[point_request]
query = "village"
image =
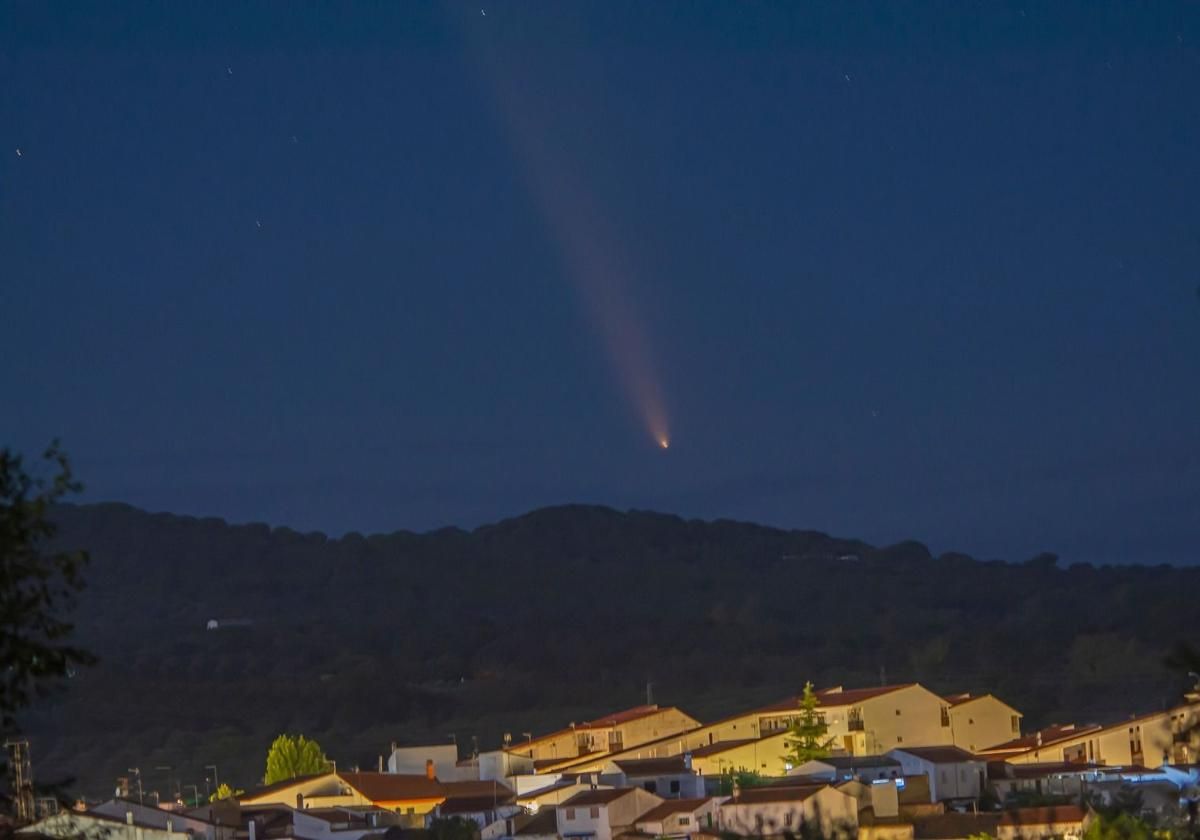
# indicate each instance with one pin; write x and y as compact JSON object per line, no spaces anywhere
{"x":894,"y":762}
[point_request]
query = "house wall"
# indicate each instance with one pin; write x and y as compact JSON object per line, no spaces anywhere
{"x":763,"y":756}
{"x":1112,"y":745}
{"x":550,"y":798}
{"x":69,"y":824}
{"x":958,"y":780}
{"x":983,"y":722}
{"x":828,"y":808}
{"x":706,"y":817}
{"x":412,"y":760}
{"x":1067,"y":831}
{"x":498,"y":765}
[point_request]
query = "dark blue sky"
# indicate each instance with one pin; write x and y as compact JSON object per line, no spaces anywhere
{"x":899,"y":270}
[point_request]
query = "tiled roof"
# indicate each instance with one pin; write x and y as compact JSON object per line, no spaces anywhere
{"x":469,"y":805}
{"x":545,"y":821}
{"x":617,"y":718}
{"x":596,"y":797}
{"x":265,"y":790}
{"x":836,"y":696}
{"x":394,"y":787}
{"x":1049,"y":815}
{"x":854,"y":762}
{"x":756,"y":795}
{"x":1050,"y":735}
{"x":720,"y":747}
{"x":652,"y":766}
{"x":939,"y":755}
{"x":951,"y":826}
{"x":476,"y":788}
{"x":672,"y":806}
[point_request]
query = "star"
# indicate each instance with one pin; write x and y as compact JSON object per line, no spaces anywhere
{"x":18,"y":152}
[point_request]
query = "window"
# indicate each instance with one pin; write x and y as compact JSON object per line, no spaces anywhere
{"x":675,"y":786}
{"x":970,"y":721}
{"x":897,"y":713}
{"x":651,"y":787}
{"x":1016,"y":724}
{"x":899,"y":740}
{"x":594,"y":813}
{"x":570,"y":813}
{"x":945,"y":715}
{"x":685,"y":820}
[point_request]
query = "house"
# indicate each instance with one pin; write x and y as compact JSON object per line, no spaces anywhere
{"x":981,"y":720}
{"x":410,"y":795}
{"x":444,"y":757}
{"x":556,"y":794}
{"x":542,"y":825}
{"x":842,"y":767}
{"x":776,"y":810}
{"x":73,"y":824}
{"x":1146,"y":741}
{"x":680,"y":817}
{"x":483,"y":803}
{"x":603,"y":814}
{"x":1055,"y":821}
{"x":953,"y":773}
{"x":955,"y":826}
{"x":603,"y":736}
{"x":149,"y":816}
{"x":1042,"y":779}
{"x":869,"y":721}
{"x":880,"y":797}
{"x":671,"y":777}
{"x":766,"y":756}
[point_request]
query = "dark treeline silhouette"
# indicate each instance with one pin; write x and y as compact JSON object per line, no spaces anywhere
{"x":555,"y":616}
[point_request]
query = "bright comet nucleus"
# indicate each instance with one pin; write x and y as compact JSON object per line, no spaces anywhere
{"x":664,"y":443}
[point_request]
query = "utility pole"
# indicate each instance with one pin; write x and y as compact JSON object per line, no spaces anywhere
{"x":137,"y":771}
{"x":21,"y":773}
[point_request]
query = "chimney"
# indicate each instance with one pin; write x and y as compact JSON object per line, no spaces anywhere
{"x":129,"y":818}
{"x":253,"y":830}
{"x":170,"y":826}
{"x":1039,"y":738}
{"x":381,"y":763}
{"x":299,"y":801}
{"x":687,"y":761}
{"x":429,"y":774}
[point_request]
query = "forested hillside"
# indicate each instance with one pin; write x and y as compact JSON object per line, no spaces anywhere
{"x":554,"y":616}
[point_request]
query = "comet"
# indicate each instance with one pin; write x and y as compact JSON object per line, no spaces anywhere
{"x":600,"y":270}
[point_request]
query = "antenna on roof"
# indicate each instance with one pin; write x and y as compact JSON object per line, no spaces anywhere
{"x":882,"y":675}
{"x":649,"y":693}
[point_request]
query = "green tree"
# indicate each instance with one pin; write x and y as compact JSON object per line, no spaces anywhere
{"x":807,"y":738}
{"x":224,"y":791}
{"x":294,"y":755}
{"x":1121,"y":827}
{"x":37,"y":586}
{"x":453,"y":828}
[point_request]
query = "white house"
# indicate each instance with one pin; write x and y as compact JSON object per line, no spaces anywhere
{"x":775,"y":810}
{"x":953,"y":773}
{"x":603,"y":814}
{"x":681,"y":817}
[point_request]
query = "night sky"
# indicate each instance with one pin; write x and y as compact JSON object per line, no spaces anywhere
{"x":884,"y":270}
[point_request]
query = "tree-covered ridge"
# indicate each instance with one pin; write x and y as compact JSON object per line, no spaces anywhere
{"x":561,"y":614}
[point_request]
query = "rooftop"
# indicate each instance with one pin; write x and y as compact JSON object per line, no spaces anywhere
{"x":652,"y":766}
{"x":596,"y":797}
{"x":773,"y":793}
{"x":1049,"y":815}
{"x":939,"y":755}
{"x":672,"y":806}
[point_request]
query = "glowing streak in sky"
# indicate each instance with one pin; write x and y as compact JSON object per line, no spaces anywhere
{"x":590,"y":251}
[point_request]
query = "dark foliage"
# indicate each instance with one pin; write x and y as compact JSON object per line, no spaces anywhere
{"x":558,"y":615}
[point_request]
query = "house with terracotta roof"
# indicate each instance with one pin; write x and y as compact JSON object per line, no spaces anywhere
{"x":840,"y":768}
{"x":601,"y":737}
{"x":776,"y":810}
{"x":603,"y":814}
{"x":981,"y":720}
{"x":1055,"y":821}
{"x":410,"y":795}
{"x":680,"y":817}
{"x":1148,"y":740}
{"x":954,"y":774}
{"x":541,"y":825}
